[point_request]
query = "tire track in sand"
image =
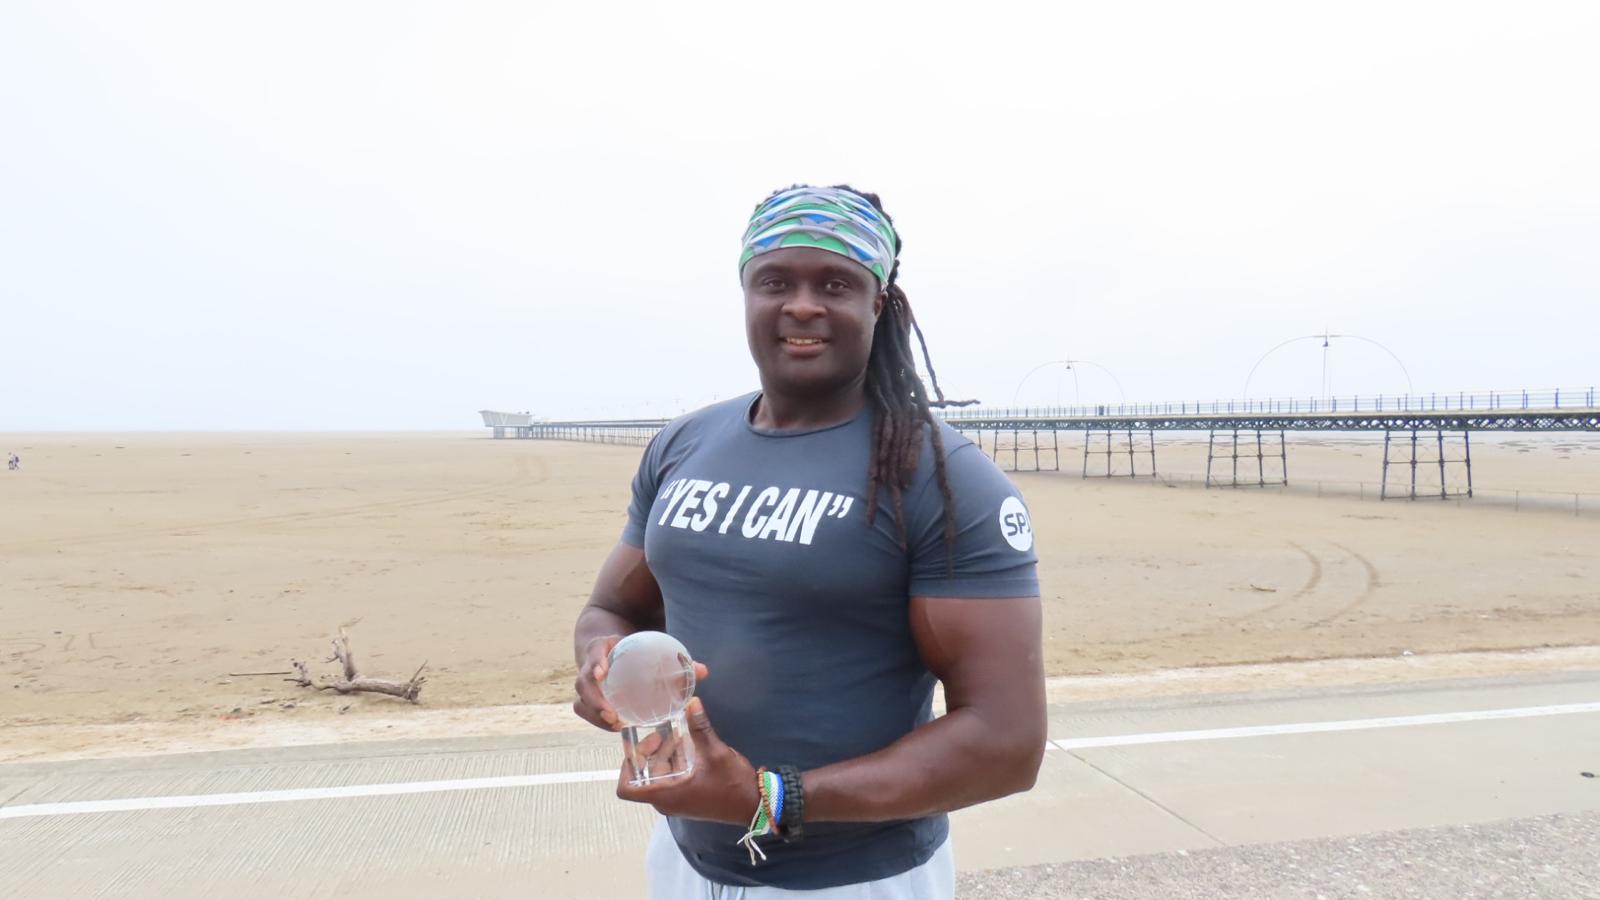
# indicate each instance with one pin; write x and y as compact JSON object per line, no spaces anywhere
{"x":1374,"y":581}
{"x":1313,"y":579}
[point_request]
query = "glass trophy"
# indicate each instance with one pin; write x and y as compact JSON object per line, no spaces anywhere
{"x":649,"y":679}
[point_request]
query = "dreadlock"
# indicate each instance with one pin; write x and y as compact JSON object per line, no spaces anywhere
{"x":901,"y":407}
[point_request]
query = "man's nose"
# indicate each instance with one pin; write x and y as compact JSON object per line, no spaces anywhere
{"x":804,"y":305}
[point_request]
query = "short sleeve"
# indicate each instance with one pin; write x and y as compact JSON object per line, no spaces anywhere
{"x":646,"y":484}
{"x":992,"y":554}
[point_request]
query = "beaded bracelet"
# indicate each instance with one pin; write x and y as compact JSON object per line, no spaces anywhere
{"x":768,"y":813}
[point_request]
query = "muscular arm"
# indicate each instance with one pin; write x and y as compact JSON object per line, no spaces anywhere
{"x":990,"y":743}
{"x":625,"y":599}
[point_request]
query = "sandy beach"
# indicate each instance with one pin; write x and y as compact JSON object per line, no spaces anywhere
{"x":142,"y":575}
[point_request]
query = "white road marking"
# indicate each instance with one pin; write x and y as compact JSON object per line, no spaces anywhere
{"x":193,"y":801}
{"x":1217,"y":734}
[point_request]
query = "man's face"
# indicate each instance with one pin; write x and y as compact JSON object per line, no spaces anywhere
{"x":809,"y":315}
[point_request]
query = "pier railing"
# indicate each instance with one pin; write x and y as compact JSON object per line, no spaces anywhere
{"x":1521,"y":398}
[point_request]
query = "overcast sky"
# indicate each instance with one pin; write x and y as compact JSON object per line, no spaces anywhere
{"x":387,"y":215}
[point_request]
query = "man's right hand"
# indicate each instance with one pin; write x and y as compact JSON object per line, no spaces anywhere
{"x":591,"y":705}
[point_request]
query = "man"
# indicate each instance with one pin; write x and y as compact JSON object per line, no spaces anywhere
{"x":826,"y":549}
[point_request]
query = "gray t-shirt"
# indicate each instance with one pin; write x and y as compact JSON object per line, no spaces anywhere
{"x":771,"y":577}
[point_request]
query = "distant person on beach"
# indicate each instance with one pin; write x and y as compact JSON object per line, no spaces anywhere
{"x":828,"y":549}
{"x":13,"y":462}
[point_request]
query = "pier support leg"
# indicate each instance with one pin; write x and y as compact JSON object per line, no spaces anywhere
{"x":1413,"y":464}
{"x":1442,"y":493}
{"x":1261,"y":462}
{"x":1232,"y":454}
{"x":1283,"y":453}
{"x":1236,"y":457}
{"x":1419,"y":467}
{"x":1383,"y":486}
{"x":1211,"y":453}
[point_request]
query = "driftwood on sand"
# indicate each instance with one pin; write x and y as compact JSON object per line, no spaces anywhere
{"x":352,"y":681}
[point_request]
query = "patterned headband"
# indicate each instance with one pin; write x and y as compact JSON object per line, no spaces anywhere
{"x":832,"y":219}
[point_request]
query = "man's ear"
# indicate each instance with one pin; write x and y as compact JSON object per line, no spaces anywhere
{"x":877,"y":303}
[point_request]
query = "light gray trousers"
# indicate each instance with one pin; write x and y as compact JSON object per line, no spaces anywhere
{"x":671,"y":878}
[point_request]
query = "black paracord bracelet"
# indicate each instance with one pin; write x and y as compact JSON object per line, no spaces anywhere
{"x":791,"y":823}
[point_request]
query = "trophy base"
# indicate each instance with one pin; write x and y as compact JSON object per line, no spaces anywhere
{"x":658,"y":751}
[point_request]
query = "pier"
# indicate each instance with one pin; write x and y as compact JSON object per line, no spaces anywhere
{"x":1421,"y":433}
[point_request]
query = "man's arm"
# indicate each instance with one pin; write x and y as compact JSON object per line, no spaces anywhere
{"x":989,"y":656}
{"x":989,"y":744}
{"x":625,"y":599}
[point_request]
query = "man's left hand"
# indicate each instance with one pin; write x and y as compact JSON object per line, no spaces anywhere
{"x":722,"y":787}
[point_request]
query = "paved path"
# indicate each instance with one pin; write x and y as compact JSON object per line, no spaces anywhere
{"x":1213,"y":777}
{"x":1549,"y":857}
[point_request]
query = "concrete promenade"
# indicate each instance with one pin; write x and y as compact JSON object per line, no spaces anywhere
{"x":1266,"y":794}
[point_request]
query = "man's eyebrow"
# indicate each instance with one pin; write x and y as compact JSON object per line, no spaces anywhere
{"x":770,"y":267}
{"x":844,"y":272}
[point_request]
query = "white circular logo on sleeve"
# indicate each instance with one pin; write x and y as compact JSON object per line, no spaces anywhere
{"x":1014,"y":525}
